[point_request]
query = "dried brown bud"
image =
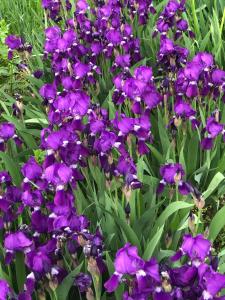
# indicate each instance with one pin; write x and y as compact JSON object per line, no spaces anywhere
{"x":93,"y":267}
{"x":168,"y":240}
{"x":199,"y":202}
{"x":110,"y":159}
{"x":171,"y":193}
{"x":41,"y":295}
{"x":177,"y":177}
{"x":217,"y":115}
{"x":129,"y":140}
{"x":172,"y":61}
{"x":191,"y":222}
{"x":94,"y":160}
{"x":81,"y":241}
{"x":20,"y":106}
{"x":90,"y":294}
{"x":108,"y":184}
{"x":166,"y":286}
{"x":206,"y":232}
{"x":127,"y":192}
{"x":70,"y":68}
{"x":53,"y":284}
{"x":177,"y":121}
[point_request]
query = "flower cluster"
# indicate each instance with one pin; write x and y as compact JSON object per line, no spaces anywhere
{"x":171,"y":18}
{"x":16,"y":43}
{"x":51,"y":209}
{"x":196,"y":278}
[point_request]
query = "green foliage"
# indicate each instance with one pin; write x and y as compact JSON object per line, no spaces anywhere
{"x":152,"y":217}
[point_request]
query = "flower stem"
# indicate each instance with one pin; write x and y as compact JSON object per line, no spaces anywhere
{"x":198,"y":222}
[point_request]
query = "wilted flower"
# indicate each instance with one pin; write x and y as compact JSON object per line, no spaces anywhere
{"x":83,"y":282}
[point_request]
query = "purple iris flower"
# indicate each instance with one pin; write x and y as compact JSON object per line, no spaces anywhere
{"x":207,"y":143}
{"x":196,"y":248}
{"x":48,"y":92}
{"x":7,"y":131}
{"x":144,"y":74}
{"x":81,"y":70}
{"x":39,"y":222}
{"x":183,"y":109}
{"x":17,"y":241}
{"x":218,"y":77}
{"x":127,"y":262}
{"x":5,"y":177}
{"x":58,"y":174}
{"x":80,"y":102}
{"x":172,"y":174}
{"x":213,"y":128}
{"x":52,"y":33}
{"x":144,"y":276}
{"x":5,"y":289}
{"x":183,"y":276}
{"x":123,"y":61}
{"x":105,"y":142}
{"x":13,"y":42}
{"x":38,"y":261}
{"x":32,"y":198}
{"x":171,"y":57}
{"x":205,"y":59}
{"x":31,"y":170}
{"x":170,"y":19}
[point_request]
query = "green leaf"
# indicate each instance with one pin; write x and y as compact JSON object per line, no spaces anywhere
{"x":165,"y":142}
{"x":192,"y":154}
{"x":171,"y":209}
{"x":150,"y":247}
{"x":12,"y":167}
{"x":156,"y":153}
{"x":5,"y":276}
{"x":205,"y":41}
{"x":217,"y":224}
{"x":129,"y":233}
{"x":217,"y":179}
{"x":164,"y":254}
{"x":64,"y":288}
{"x":20,"y":270}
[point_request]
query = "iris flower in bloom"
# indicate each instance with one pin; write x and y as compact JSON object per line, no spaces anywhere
{"x":172,"y":174}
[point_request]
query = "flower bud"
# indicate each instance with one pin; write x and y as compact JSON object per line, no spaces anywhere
{"x":199,"y":202}
{"x":206,"y":232}
{"x":191,"y":222}
{"x":127,"y":192}
{"x":41,"y":295}
{"x":166,"y":286}
{"x":168,"y":239}
{"x":90,"y":294}
{"x":177,"y":121}
{"x":53,"y":283}
{"x":127,"y":209}
{"x":177,"y":177}
{"x":93,"y":267}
